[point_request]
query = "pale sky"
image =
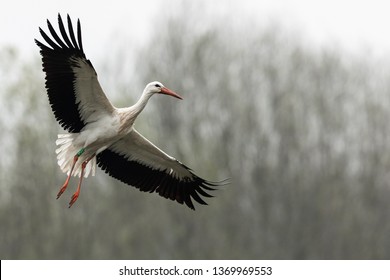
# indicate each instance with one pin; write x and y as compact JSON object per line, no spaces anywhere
{"x":352,"y":25}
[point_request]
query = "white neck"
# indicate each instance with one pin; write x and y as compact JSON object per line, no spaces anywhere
{"x":141,"y":103}
{"x":129,"y":114}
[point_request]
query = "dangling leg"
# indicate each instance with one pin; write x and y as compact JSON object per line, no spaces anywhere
{"x":63,"y":188}
{"x":77,"y":193}
{"x":68,"y":178}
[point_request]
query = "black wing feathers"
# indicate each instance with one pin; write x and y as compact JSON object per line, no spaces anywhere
{"x":150,"y":180}
{"x":55,"y":36}
{"x":79,"y":36}
{"x":71,"y":33}
{"x":57,"y":60}
{"x":63,"y":32}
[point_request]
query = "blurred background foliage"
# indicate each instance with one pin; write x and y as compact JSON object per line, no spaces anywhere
{"x":303,"y":134}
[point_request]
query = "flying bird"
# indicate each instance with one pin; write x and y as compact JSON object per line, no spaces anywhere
{"x":100,"y":134}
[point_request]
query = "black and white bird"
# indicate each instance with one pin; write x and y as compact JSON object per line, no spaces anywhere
{"x":103,"y":135}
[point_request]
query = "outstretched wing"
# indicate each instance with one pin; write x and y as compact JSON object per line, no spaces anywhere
{"x":75,"y":94}
{"x":136,"y":161}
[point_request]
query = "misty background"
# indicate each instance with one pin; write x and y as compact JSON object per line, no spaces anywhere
{"x":302,"y":131}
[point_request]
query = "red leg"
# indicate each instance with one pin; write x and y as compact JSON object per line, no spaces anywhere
{"x":63,"y":188}
{"x":77,"y":193}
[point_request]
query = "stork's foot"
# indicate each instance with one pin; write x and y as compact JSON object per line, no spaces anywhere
{"x":63,"y":188}
{"x":74,"y":198}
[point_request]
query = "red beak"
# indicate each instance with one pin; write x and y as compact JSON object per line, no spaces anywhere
{"x":167,"y":91}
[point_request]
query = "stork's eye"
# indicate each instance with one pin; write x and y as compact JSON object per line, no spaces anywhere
{"x":157,"y":85}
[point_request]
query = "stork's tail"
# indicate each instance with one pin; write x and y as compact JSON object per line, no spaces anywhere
{"x":65,"y":154}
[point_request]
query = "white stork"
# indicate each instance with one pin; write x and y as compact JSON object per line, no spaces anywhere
{"x":101,"y":134}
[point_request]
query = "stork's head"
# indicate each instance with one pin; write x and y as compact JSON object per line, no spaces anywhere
{"x":157,"y":87}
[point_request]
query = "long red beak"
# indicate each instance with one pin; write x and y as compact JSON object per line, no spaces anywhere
{"x":167,"y":91}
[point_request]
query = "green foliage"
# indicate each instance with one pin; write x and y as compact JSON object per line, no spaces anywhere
{"x":303,"y":134}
